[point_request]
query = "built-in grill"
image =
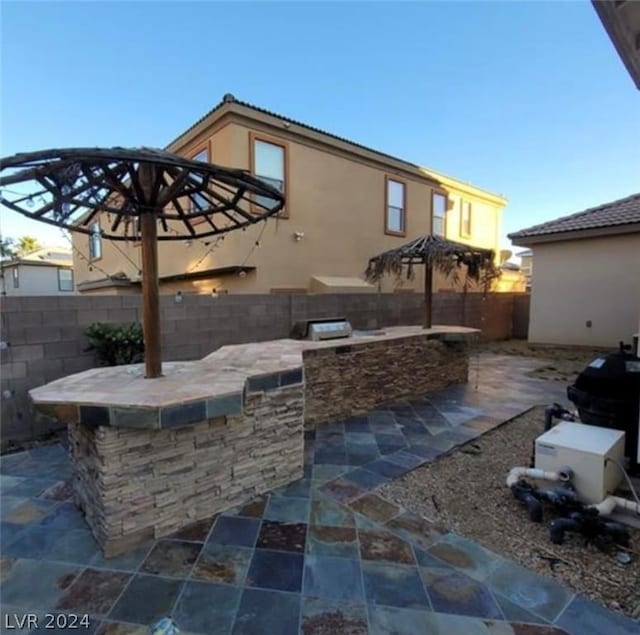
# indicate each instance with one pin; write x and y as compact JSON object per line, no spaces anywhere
{"x":322,"y":329}
{"x":607,"y":394}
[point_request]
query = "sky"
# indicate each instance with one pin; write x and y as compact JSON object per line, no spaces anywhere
{"x":526,"y":99}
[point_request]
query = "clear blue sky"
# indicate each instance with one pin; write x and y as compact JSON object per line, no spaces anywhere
{"x":528,"y":99}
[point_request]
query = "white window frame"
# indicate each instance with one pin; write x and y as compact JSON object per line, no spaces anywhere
{"x":402,"y":231}
{"x":443,"y":217}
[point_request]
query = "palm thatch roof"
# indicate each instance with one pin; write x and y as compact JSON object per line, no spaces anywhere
{"x":447,"y":256}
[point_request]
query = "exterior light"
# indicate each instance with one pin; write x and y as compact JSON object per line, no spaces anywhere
{"x":214,"y":293}
{"x":298,"y":236}
{"x":242,"y":273}
{"x":178,"y":297}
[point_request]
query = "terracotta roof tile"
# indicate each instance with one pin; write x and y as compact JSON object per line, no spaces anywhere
{"x":624,"y":211}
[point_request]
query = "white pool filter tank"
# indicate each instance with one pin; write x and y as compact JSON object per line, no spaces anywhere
{"x":585,"y":449}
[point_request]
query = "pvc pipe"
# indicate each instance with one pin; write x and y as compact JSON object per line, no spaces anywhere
{"x":606,"y":507}
{"x":564,"y":474}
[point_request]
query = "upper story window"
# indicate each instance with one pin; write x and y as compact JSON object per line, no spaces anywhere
{"x":16,"y":278}
{"x":202,"y":155}
{"x":438,"y":214}
{"x":270,"y":166}
{"x":395,"y":213}
{"x":65,"y":279}
{"x":95,"y":241}
{"x":465,"y":219}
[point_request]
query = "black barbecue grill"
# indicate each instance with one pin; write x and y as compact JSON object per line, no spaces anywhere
{"x":607,"y":394}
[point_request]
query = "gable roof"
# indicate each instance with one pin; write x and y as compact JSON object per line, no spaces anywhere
{"x":624,"y":211}
{"x":419,"y":170}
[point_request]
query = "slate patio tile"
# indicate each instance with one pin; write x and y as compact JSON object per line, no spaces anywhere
{"x":121,"y":628}
{"x":232,"y":530}
{"x":535,"y":593}
{"x":36,"y":585}
{"x":129,"y":561}
{"x":332,"y":541}
{"x":387,"y":469}
{"x":222,"y":563}
{"x":514,"y":613}
{"x":365,"y":479}
{"x":261,"y":612}
{"x":64,"y":516}
{"x":467,"y":556}
{"x":393,"y":585}
{"x":64,"y":623}
{"x":453,"y":592}
{"x":9,"y":532}
{"x":207,"y":608}
{"x":329,"y":577}
{"x":30,"y":487}
{"x":146,"y":599}
{"x":375,"y":507}
{"x":427,"y":452}
{"x":325,"y":456}
{"x":324,"y":473}
{"x":359,"y":438}
{"x":93,"y":592}
{"x":27,"y":510}
{"x":76,"y":546}
{"x":364,"y":522}
{"x":288,"y":510}
{"x":584,"y":617}
{"x":195,"y":532}
{"x":384,"y":546}
{"x":357,"y":423}
{"x":323,"y":616}
{"x":325,"y":511}
{"x":358,"y":457}
{"x":342,"y":490}
{"x":254,"y":508}
{"x":282,"y":536}
{"x":171,"y":558}
{"x":405,"y":459}
{"x":388,"y":620}
{"x":416,"y":529}
{"x":298,"y":489}
{"x":59,"y":491}
{"x":275,"y":570}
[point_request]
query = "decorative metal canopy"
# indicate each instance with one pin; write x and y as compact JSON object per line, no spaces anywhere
{"x":173,"y":198}
{"x":447,"y":256}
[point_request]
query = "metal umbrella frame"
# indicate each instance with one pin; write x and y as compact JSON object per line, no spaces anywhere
{"x":173,"y":198}
{"x":434,"y":252}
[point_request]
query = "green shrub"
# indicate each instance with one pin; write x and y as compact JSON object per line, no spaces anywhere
{"x":116,"y":344}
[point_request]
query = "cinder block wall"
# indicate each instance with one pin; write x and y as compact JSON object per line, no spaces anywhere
{"x":46,"y":333}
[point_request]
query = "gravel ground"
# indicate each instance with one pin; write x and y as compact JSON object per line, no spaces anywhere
{"x":466,"y":492}
{"x":562,"y":363}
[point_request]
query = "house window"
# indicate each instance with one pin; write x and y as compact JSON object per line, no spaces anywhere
{"x":16,"y":278}
{"x":438,"y":214}
{"x":396,"y":209}
{"x":465,"y":219}
{"x":269,"y":165}
{"x":201,"y":201}
{"x":95,"y":242}
{"x":65,"y":279}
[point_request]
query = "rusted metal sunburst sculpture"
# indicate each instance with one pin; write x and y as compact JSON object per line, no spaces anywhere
{"x":173,"y":199}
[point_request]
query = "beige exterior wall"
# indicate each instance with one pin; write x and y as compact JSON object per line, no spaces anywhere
{"x":335,"y":197}
{"x":596,"y":279}
{"x":33,"y":280}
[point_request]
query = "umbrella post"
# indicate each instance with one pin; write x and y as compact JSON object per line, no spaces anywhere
{"x":150,"y":284}
{"x":428,"y":295}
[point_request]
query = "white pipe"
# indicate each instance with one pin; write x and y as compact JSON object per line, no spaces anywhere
{"x":606,"y":507}
{"x":563,"y":474}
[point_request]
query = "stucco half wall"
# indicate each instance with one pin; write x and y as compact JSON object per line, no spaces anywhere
{"x":594,"y":280}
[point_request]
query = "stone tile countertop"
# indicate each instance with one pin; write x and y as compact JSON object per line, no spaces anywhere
{"x":219,"y":379}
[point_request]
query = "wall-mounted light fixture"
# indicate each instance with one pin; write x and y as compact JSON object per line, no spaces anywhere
{"x":214,"y":293}
{"x":242,"y":273}
{"x":178,"y":297}
{"x":298,"y":236}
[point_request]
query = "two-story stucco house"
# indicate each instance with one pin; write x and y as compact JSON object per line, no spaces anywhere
{"x":45,"y":271}
{"x":344,"y":204}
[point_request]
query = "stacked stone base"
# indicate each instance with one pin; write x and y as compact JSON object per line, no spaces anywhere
{"x":135,"y":485}
{"x":356,"y":378}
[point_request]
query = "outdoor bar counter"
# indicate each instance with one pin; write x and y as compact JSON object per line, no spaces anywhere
{"x":151,"y":456}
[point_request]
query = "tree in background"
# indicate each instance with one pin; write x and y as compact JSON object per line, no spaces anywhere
{"x":7,"y":248}
{"x":27,"y":244}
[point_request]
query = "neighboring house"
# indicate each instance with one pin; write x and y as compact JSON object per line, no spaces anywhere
{"x":586,"y":289}
{"x":526,"y":266}
{"x":344,"y":204}
{"x":46,"y":271}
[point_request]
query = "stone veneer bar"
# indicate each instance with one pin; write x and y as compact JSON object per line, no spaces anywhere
{"x":152,"y":456}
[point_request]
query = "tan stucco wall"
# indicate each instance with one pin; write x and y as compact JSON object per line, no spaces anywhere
{"x":336,"y":200}
{"x":595,"y":279}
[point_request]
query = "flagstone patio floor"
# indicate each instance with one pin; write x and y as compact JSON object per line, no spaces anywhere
{"x":323,"y":555}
